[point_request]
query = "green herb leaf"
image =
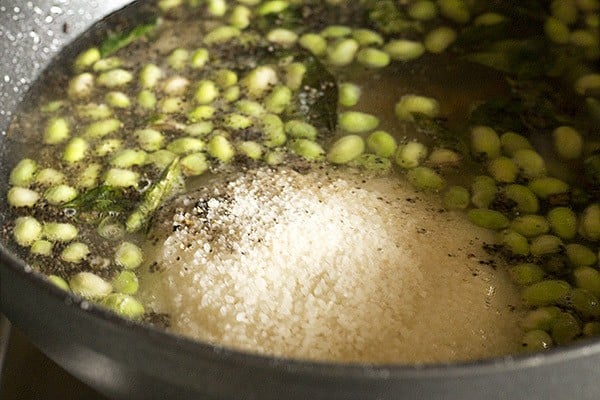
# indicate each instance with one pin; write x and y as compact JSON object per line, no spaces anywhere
{"x":317,"y":101}
{"x":169,"y":182}
{"x":387,"y":18}
{"x":117,"y":41}
{"x":102,"y":199}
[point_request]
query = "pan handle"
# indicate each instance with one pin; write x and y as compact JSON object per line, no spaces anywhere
{"x":4,"y":338}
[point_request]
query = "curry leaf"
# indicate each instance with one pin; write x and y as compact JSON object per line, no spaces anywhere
{"x":117,"y":41}
{"x":386,"y":17}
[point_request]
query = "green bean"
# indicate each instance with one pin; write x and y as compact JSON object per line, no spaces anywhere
{"x":455,"y":10}
{"x":99,"y":129}
{"x":60,"y":194}
{"x":536,"y":340}
{"x":585,"y":303}
{"x":88,"y":177}
{"x":565,"y":329}
{"x":121,"y":178}
{"x":588,"y":83}
{"x":75,"y":150}
{"x":250,"y":149}
{"x":57,"y":131}
{"x":503,"y":169}
{"x":314,"y":43}
{"x":530,"y":163}
{"x":299,"y":129}
{"x":52,"y":106}
{"x":259,"y":80}
{"x":89,"y":286}
{"x":294,"y":75}
{"x":382,"y":143}
{"x":275,"y":157}
{"x":206,"y":92}
{"x":128,"y":158}
{"x":126,"y":282}
{"x":146,"y":99}
{"x":342,"y":53}
{"x":423,"y":10}
{"x":75,"y":253}
{"x":527,"y":202}
{"x":93,"y":111}
{"x":128,"y":255}
{"x":489,"y":219}
{"x":279,"y":99}
{"x":546,"y":293}
{"x":59,"y":282}
{"x":114,"y":78}
{"x":161,"y":158}
{"x":166,"y":5}
{"x":346,"y":149}
{"x":23,"y":173}
{"x":580,"y":255}
{"x":489,"y":19}
{"x":373,"y":58}
{"x":424,"y":178}
{"x":530,"y":225}
{"x":512,"y":142}
{"x":240,"y":17}
{"x":563,"y":222}
{"x":175,"y":85}
{"x":273,"y":130}
{"x":545,"y":244}
{"x":357,"y":122}
{"x":307,"y":149}
{"x":111,"y":229}
{"x":547,"y":186}
{"x":250,"y":108}
{"x":236,"y":121}
{"x":413,"y":104}
{"x":231,"y":94}
{"x":149,"y":139}
{"x":49,"y":177}
{"x":566,"y":11}
{"x":201,"y":113}
{"x":123,"y":305}
{"x":283,"y":37}
{"x":216,"y":8}
{"x":404,"y":50}
{"x":107,"y":147}
{"x":568,"y":143}
{"x":81,"y":86}
{"x":483,"y":191}
{"x":556,"y":30}
{"x":349,"y":94}
{"x":221,"y":34}
{"x":87,"y":58}
{"x":106,"y":64}
{"x":439,"y":39}
{"x":585,"y":38}
{"x":540,"y":318}
{"x":591,"y":329}
{"x":587,"y":278}
{"x":372,"y":162}
{"x":589,"y":226}
{"x":27,"y":230}
{"x":194,"y":164}
{"x":526,"y":274}
{"x":225,"y":78}
{"x":367,"y":37}
{"x":456,"y":198}
{"x":336,"y":31}
{"x":485,"y":142}
{"x":272,"y":7}
{"x":199,"y":58}
{"x":441,"y":157}
{"x":186,"y":145}
{"x":149,"y":76}
{"x":221,"y":148}
{"x":514,"y":242}
{"x":410,"y":154}
{"x":60,"y":232}
{"x":178,"y":58}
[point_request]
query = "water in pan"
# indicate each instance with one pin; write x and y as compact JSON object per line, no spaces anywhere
{"x":253,"y":108}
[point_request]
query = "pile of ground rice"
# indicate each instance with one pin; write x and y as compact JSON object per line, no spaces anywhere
{"x":328,"y":266}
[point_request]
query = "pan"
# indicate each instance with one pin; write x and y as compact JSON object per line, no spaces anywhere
{"x":127,"y":360}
